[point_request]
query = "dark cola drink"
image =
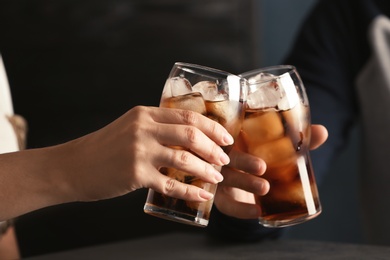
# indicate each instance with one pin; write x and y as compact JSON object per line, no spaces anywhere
{"x":277,"y":129}
{"x":273,"y":136}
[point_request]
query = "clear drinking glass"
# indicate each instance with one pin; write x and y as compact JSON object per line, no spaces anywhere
{"x":216,"y":94}
{"x":277,"y":129}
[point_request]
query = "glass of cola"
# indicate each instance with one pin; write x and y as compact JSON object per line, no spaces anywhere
{"x":216,"y":94}
{"x":277,"y":129}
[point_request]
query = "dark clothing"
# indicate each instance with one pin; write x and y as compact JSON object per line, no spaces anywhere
{"x":330,"y":52}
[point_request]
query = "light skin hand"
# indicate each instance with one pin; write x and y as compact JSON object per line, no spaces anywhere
{"x":124,"y":156}
{"x":141,"y":147}
{"x":235,"y":194}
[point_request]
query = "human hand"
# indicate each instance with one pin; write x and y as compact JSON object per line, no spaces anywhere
{"x":127,"y":154}
{"x":123,"y":156}
{"x":235,"y":195}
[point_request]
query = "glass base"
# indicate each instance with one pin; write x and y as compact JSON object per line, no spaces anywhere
{"x":175,"y":216}
{"x":272,"y":223}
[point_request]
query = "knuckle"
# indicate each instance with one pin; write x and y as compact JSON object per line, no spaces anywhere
{"x":184,"y":158}
{"x":189,"y":117}
{"x":180,"y":158}
{"x":191,"y":134}
{"x":170,"y":186}
{"x":138,"y":111}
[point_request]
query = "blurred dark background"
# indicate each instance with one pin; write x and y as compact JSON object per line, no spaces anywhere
{"x":74,"y":66}
{"x":79,"y":64}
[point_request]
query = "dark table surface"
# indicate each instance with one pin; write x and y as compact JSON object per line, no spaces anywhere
{"x":195,"y":246}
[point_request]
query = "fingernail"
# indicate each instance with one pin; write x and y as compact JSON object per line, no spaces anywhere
{"x":218,"y":176}
{"x":205,"y":195}
{"x":224,"y":158}
{"x":228,"y":139}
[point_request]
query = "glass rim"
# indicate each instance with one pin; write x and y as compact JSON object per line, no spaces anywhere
{"x":290,"y":69}
{"x":205,"y":69}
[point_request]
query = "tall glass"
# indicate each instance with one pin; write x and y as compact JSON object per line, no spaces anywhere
{"x":216,"y":94}
{"x":277,"y":129}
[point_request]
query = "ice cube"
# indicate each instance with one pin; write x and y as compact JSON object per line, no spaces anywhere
{"x":261,"y":77}
{"x":266,"y":90}
{"x":276,"y":153}
{"x":193,"y":102}
{"x":224,"y":111}
{"x":262,"y":127}
{"x":292,"y":192}
{"x":180,"y":86}
{"x":264,"y":95}
{"x":209,"y":90}
{"x":285,"y":173}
